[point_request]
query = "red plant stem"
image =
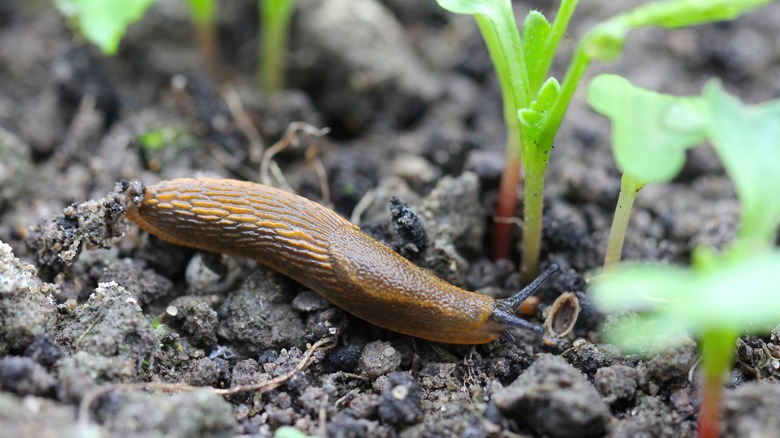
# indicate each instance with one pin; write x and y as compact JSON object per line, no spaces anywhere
{"x":506,"y":208}
{"x":709,"y":412}
{"x":717,"y":355}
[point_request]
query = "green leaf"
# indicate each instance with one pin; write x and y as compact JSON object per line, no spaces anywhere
{"x":747,"y":141}
{"x":289,"y":432}
{"x":536,"y":36}
{"x":203,"y":11}
{"x":650,"y":130}
{"x":605,"y":42}
{"x":634,"y":286}
{"x":680,"y":13}
{"x":493,"y":9}
{"x":645,"y":334}
{"x":103,"y":22}
{"x":739,"y":295}
{"x":534,"y":117}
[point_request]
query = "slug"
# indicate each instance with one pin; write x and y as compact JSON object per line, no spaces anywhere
{"x":326,"y":253}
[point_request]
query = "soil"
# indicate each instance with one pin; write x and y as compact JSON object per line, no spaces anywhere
{"x":105,"y":330}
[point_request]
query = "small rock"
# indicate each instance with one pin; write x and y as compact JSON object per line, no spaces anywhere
{"x":44,"y":350}
{"x":588,"y":357}
{"x":345,"y":358}
{"x":258,"y":315}
{"x":379,"y":358}
{"x":400,"y":400}
{"x":617,"y":383}
{"x":23,"y":376}
{"x":198,"y":319}
{"x":145,"y":284}
{"x":204,"y":373}
{"x":554,"y":399}
{"x":751,"y":410}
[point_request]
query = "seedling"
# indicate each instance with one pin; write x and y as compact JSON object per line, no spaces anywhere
{"x":650,"y":134}
{"x":275,"y":18}
{"x":534,"y":106}
{"x":204,"y":14}
{"x":722,"y":295}
{"x":104,"y":23}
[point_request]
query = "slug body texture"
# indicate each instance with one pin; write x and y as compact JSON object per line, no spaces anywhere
{"x":316,"y":247}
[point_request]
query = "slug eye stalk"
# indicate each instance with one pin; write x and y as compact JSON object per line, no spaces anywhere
{"x":513,"y":303}
{"x":504,"y":313}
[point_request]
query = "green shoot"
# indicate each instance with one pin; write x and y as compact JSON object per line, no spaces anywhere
{"x":497,"y":23}
{"x":275,"y":21}
{"x":681,"y":13}
{"x":534,"y":105}
{"x":650,"y":134}
{"x":722,"y":295}
{"x":521,"y":66}
{"x":204,"y":14}
{"x":101,"y":22}
{"x":716,"y":302}
{"x":629,"y":189}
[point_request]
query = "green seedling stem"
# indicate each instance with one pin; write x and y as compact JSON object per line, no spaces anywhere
{"x":535,"y":166}
{"x":204,"y":13}
{"x":702,"y":300}
{"x":521,"y":79}
{"x":717,"y":354}
{"x":629,"y":189}
{"x":275,"y":18}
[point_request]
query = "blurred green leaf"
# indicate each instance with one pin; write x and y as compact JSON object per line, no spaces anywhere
{"x":488,"y":8}
{"x":289,"y":432}
{"x":680,"y":13}
{"x":536,"y":36}
{"x":158,"y":138}
{"x":650,"y":131}
{"x":738,"y":295}
{"x":748,"y":143}
{"x":103,"y":22}
{"x":605,"y":42}
{"x":646,"y":334}
{"x":203,"y":11}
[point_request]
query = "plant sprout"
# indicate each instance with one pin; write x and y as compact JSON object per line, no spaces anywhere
{"x":275,"y":19}
{"x":534,"y":106}
{"x":104,"y":23}
{"x":204,"y":14}
{"x":650,"y":134}
{"x":722,"y":295}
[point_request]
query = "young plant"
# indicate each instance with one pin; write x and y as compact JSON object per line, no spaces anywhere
{"x":204,"y":15}
{"x":521,"y":65}
{"x":104,"y":23}
{"x":275,"y":20}
{"x":534,"y":106}
{"x":722,"y":295}
{"x":650,"y":133}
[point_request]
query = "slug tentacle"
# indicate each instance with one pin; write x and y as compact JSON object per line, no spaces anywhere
{"x":323,"y":251}
{"x":517,"y":299}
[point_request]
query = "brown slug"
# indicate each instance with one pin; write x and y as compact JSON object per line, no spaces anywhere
{"x":316,"y":247}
